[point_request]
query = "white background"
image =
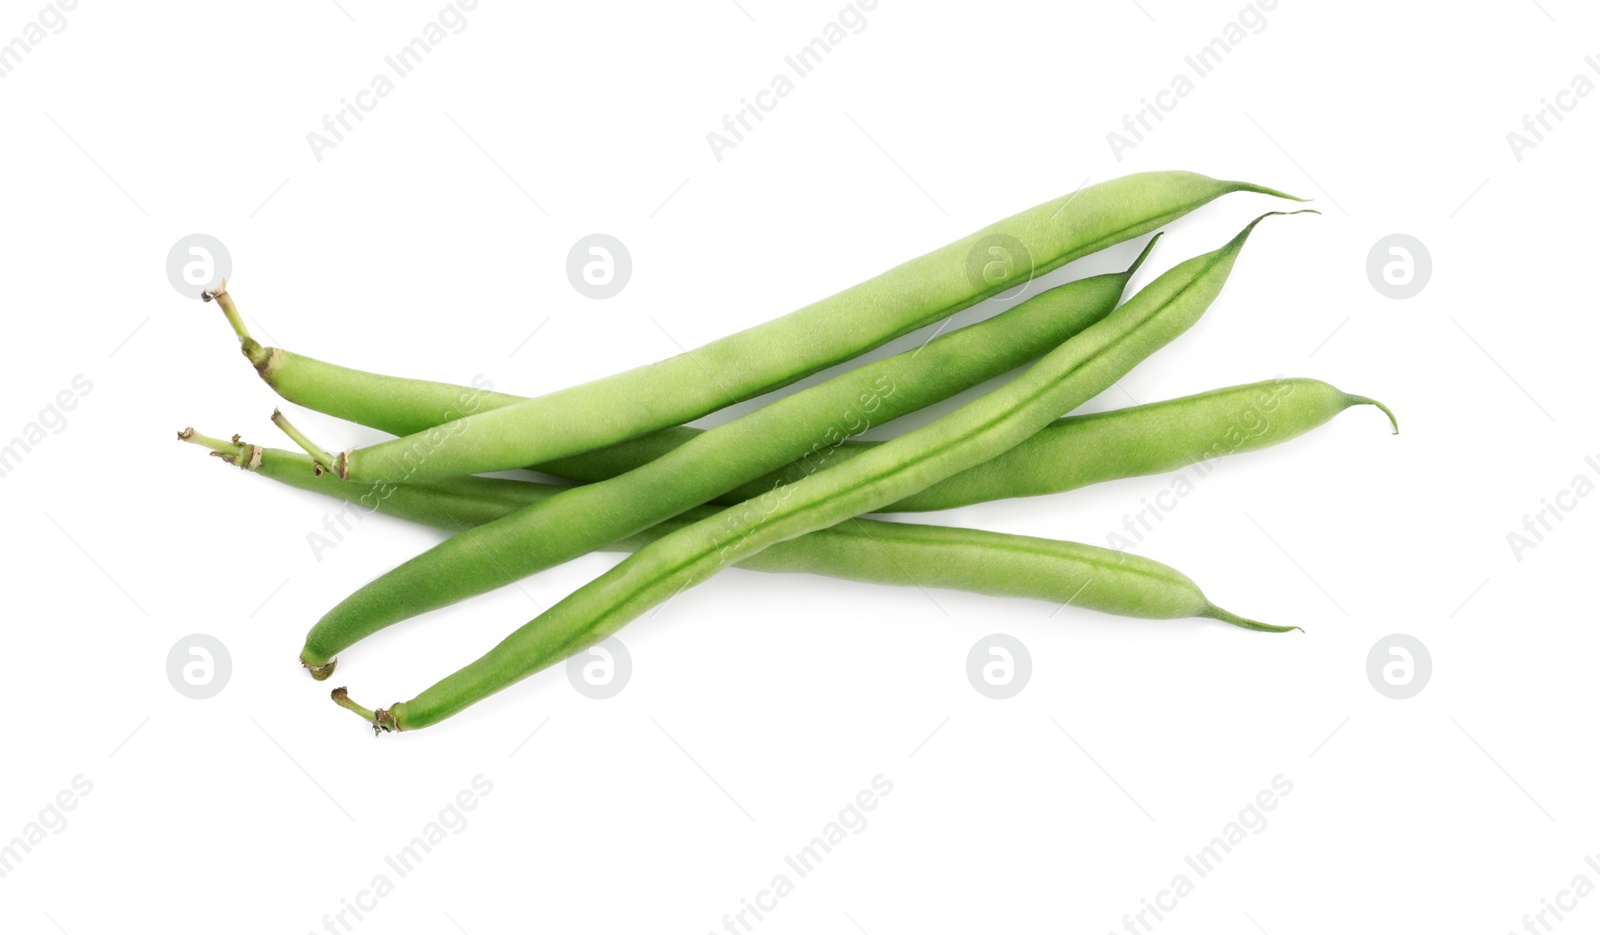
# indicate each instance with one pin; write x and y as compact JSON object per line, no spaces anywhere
{"x":432,"y":242}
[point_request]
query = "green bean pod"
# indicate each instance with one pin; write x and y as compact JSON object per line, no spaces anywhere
{"x":805,"y":426}
{"x":1066,"y":454}
{"x":1063,"y":456}
{"x":975,"y":433}
{"x":778,"y":352}
{"x":871,"y":551}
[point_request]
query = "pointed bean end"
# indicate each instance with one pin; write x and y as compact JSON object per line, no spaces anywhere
{"x":1264,"y":190}
{"x":1144,"y":254}
{"x":1217,"y":613}
{"x":1366,"y":401}
{"x":1238,"y":241}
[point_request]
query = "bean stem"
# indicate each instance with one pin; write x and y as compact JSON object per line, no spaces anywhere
{"x":324,"y":460}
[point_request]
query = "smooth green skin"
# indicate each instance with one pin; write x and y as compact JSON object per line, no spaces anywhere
{"x":1060,"y":458}
{"x":778,"y":352}
{"x":977,"y":432}
{"x":871,"y":551}
{"x":1064,"y":455}
{"x":804,"y":425}
{"x":397,"y":405}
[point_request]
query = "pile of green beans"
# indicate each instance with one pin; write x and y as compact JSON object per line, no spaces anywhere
{"x":785,"y":488}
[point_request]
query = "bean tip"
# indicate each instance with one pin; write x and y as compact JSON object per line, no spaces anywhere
{"x":1217,"y":613}
{"x":1394,"y":422}
{"x":1144,"y":254}
{"x":1264,"y":190}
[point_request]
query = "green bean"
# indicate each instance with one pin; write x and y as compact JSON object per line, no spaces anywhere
{"x":866,"y":550}
{"x":970,"y":435}
{"x":397,"y":405}
{"x":805,"y":425}
{"x":1066,"y":454}
{"x":1061,"y":457}
{"x":775,"y":354}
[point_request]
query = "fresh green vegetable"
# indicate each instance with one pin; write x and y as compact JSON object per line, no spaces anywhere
{"x":804,"y":425}
{"x":1065,"y":455}
{"x":1069,"y":453}
{"x":896,"y":469}
{"x":872,"y":551}
{"x":778,"y":352}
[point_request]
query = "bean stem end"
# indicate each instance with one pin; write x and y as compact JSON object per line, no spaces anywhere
{"x":237,"y":453}
{"x":324,"y":460}
{"x":320,"y":673}
{"x":381,"y":720}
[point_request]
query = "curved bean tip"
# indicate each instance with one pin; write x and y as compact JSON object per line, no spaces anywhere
{"x":1393,"y":422}
{"x":1217,"y":613}
{"x":1238,"y":241}
{"x":1264,"y":190}
{"x":1144,"y":254}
